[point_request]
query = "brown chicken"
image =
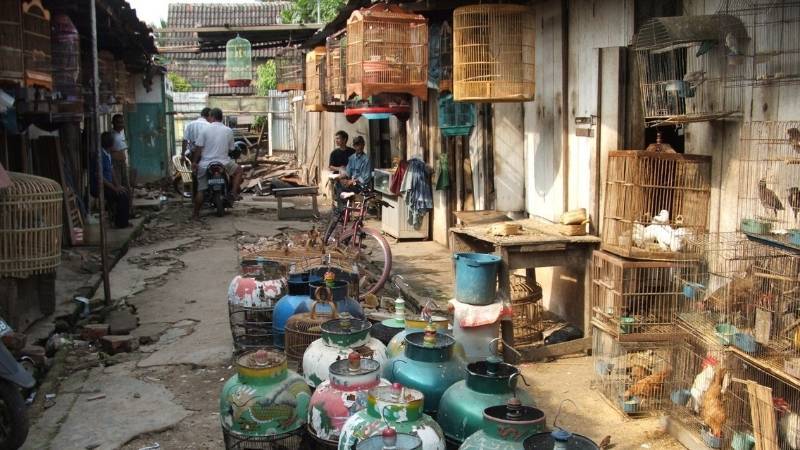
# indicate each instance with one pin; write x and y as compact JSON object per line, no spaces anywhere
{"x":768,"y":198}
{"x":794,"y":200}
{"x":713,"y":408}
{"x":648,"y":386}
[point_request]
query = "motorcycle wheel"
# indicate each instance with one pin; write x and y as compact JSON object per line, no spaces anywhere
{"x":13,"y":417}
{"x":219,"y":204}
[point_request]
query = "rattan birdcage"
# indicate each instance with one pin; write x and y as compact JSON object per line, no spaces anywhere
{"x":336,"y":70}
{"x":251,"y":321}
{"x":36,"y":44}
{"x":30,"y":226}
{"x":634,"y":376}
{"x":387,"y":52}
{"x":455,"y":118}
{"x":290,"y":69}
{"x":637,"y":300}
{"x":494,"y":53}
{"x":238,"y":62}
{"x":66,"y":59}
{"x":122,"y":91}
{"x":653,"y":201}
{"x":11,"y":59}
{"x":689,"y":67}
{"x":446,"y":58}
{"x":297,"y":440}
{"x":315,"y":80}
{"x":304,"y":328}
{"x":769,"y":181}
{"x":526,"y":305}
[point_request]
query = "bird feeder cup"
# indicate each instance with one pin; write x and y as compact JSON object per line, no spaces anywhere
{"x":315,"y":80}
{"x":290,"y":69}
{"x":387,"y":52}
{"x":238,"y":62}
{"x":493,"y":53}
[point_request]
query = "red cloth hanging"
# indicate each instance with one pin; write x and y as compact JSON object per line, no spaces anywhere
{"x":397,"y":179}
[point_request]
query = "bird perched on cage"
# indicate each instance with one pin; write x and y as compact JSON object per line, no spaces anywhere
{"x":789,"y":425}
{"x":732,"y":44}
{"x":695,"y":78}
{"x":713,"y":409}
{"x":794,"y":200}
{"x":702,"y":382}
{"x":794,"y":138}
{"x":648,"y":386}
{"x":768,"y":198}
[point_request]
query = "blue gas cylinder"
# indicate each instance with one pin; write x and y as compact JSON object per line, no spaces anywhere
{"x":321,"y":291}
{"x":295,"y":302}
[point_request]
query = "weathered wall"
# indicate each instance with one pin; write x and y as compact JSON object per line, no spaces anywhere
{"x":509,"y":157}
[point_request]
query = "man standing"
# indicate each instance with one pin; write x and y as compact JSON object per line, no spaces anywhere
{"x":337,"y":162}
{"x":192,"y":130}
{"x":117,"y":196}
{"x":119,"y":151}
{"x":212,"y":145}
{"x":359,"y":167}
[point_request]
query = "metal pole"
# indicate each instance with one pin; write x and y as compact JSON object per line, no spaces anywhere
{"x":95,"y":141}
{"x":319,"y":13}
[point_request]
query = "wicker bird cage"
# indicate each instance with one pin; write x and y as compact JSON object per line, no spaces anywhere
{"x":336,"y":71}
{"x":66,"y":59}
{"x":653,"y":202}
{"x":494,"y":53}
{"x":633,"y":377}
{"x":36,"y":44}
{"x":238,"y":62}
{"x":526,"y":305}
{"x":455,"y":118}
{"x":304,"y":328}
{"x":30,"y":226}
{"x":11,"y":59}
{"x":108,"y":76}
{"x":689,"y":67}
{"x":290,"y":69}
{"x":387,"y":52}
{"x":122,"y":91}
{"x":315,"y":80}
{"x":769,"y":181}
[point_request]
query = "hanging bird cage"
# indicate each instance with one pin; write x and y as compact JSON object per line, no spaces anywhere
{"x":37,"y":47}
{"x":335,"y":70}
{"x":66,"y":59}
{"x":11,"y":60}
{"x":122,"y":81}
{"x":769,"y":181}
{"x":689,"y":67}
{"x":494,"y":53}
{"x":238,"y":62}
{"x":315,"y":79}
{"x":108,"y":77}
{"x":30,"y":226}
{"x":446,"y":58}
{"x":290,"y":66}
{"x":455,"y":118}
{"x":387,"y":52}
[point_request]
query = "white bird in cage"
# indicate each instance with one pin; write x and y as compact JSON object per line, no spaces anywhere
{"x":695,"y":78}
{"x":731,"y":43}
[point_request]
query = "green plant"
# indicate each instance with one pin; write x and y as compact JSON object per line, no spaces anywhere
{"x":179,"y":84}
{"x":305,"y":11}
{"x":266,"y":78}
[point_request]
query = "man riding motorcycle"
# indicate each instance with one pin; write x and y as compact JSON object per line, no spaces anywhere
{"x":212,"y":146}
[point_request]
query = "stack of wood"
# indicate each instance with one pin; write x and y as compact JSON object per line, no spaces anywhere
{"x":268,"y":172}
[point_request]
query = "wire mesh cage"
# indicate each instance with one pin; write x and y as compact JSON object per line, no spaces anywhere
{"x":455,"y":118}
{"x":769,"y":181}
{"x":773,"y":54}
{"x":637,"y":300}
{"x":238,"y":62}
{"x":298,"y":440}
{"x":494,"y":53}
{"x":689,"y":67}
{"x":251,"y":301}
{"x":387,"y":52}
{"x":526,"y":305}
{"x":633,"y":377}
{"x":336,"y":69}
{"x":290,"y":69}
{"x":30,"y":226}
{"x":66,"y":59}
{"x":315,"y":80}
{"x":36,"y":44}
{"x":11,"y":59}
{"x":654,"y":201}
{"x":446,"y":58}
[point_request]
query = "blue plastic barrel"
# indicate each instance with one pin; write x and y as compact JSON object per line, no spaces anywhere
{"x":476,"y":278}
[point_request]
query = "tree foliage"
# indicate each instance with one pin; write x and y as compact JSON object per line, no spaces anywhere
{"x":179,"y":84}
{"x":305,"y":11}
{"x":266,"y":78}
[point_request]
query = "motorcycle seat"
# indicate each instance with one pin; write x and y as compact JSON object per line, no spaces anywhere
{"x":346,"y":195}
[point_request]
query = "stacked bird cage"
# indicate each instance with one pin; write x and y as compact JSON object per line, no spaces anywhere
{"x":637,"y":300}
{"x":494,"y":53}
{"x":689,"y":67}
{"x":11,"y":60}
{"x":252,"y":296}
{"x":315,"y":80}
{"x":30,"y":226}
{"x":526,"y":305}
{"x":290,"y":69}
{"x":455,"y":118}
{"x":769,"y":181}
{"x":654,"y":202}
{"x":66,"y":59}
{"x":387,"y":52}
{"x":336,"y":71}
{"x":632,"y":376}
{"x":36,"y":44}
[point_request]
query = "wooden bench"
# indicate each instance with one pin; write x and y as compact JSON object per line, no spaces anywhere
{"x":306,"y":191}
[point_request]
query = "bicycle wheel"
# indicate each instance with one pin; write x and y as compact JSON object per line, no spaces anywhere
{"x":373,"y":258}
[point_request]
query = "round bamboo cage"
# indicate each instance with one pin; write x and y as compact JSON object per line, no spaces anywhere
{"x":315,"y":79}
{"x":30,"y":226}
{"x":290,"y":69}
{"x":526,"y":304}
{"x":387,"y":52}
{"x":493,"y":53}
{"x":303,"y":329}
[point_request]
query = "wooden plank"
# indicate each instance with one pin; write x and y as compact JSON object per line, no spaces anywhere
{"x":685,"y":436}
{"x":295,"y":191}
{"x":555,"y":350}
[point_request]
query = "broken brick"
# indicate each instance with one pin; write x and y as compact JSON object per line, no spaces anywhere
{"x":15,"y":341}
{"x":114,"y":344}
{"x":121,"y":322}
{"x":94,"y":331}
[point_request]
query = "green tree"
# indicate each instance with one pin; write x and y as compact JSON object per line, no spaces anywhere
{"x":179,"y":84}
{"x":305,"y":11}
{"x":266,"y":78}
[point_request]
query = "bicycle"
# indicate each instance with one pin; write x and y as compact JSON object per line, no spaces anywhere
{"x":371,"y":252}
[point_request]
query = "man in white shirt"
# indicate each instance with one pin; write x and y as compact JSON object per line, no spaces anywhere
{"x":192,"y":130}
{"x":119,"y":151}
{"x":212,"y":145}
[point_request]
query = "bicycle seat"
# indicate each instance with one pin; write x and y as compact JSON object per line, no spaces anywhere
{"x":346,"y":195}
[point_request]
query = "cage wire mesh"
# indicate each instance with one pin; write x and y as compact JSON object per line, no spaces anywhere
{"x":36,"y":42}
{"x":689,"y":67}
{"x":11,"y":55}
{"x":290,"y":66}
{"x":446,"y":57}
{"x":315,"y":80}
{"x":654,"y":202}
{"x":455,"y":118}
{"x":769,"y":180}
{"x":238,"y":62}
{"x":251,"y":317}
{"x":526,"y":306}
{"x":632,"y":376}
{"x":336,"y":69}
{"x":287,"y":441}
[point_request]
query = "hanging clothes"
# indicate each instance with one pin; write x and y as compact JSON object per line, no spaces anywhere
{"x":416,"y":188}
{"x":397,"y":178}
{"x":443,"y":175}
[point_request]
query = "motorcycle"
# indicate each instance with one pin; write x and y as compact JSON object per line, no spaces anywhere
{"x":13,"y":415}
{"x":182,"y":180}
{"x":219,"y":187}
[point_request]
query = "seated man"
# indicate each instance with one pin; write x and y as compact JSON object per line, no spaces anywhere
{"x":117,"y":197}
{"x":358,"y":173}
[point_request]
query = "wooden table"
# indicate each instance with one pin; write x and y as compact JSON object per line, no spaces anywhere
{"x":540,"y":245}
{"x":304,"y":191}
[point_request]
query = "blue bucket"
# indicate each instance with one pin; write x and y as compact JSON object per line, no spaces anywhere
{"x":476,"y":278}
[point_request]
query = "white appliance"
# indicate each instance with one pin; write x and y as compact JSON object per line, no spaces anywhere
{"x":394,"y":221}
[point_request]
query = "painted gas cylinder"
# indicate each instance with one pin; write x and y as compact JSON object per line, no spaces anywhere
{"x":342,"y":395}
{"x":398,"y":343}
{"x":339,"y":338}
{"x":294,"y":302}
{"x":488,"y":383}
{"x":337,"y":290}
{"x":506,"y":427}
{"x":263,"y":398}
{"x":256,"y":288}
{"x":559,"y":439}
{"x":397,"y":407}
{"x":391,"y":440}
{"x":428,"y":365}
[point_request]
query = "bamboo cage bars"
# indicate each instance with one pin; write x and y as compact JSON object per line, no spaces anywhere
{"x":290,"y":66}
{"x":11,"y":59}
{"x":494,"y":53}
{"x":30,"y":226}
{"x":446,"y":58}
{"x":526,"y":305}
{"x":653,"y":202}
{"x":315,"y":80}
{"x":36,"y":44}
{"x":336,"y":69}
{"x":387,"y":52}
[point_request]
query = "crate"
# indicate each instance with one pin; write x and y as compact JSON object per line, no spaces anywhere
{"x":654,"y":202}
{"x":637,"y":300}
{"x":632,"y":376}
